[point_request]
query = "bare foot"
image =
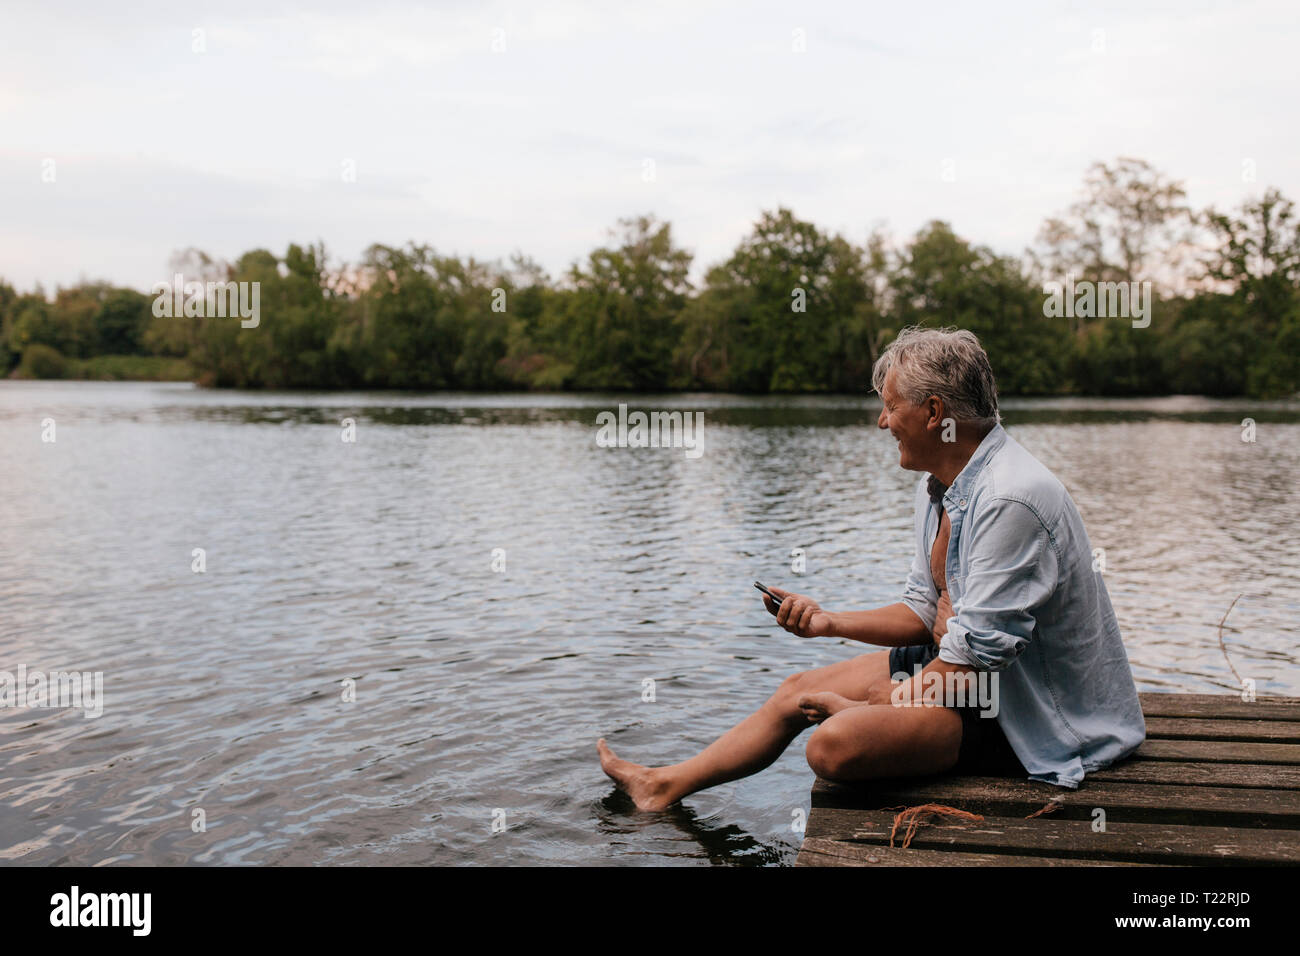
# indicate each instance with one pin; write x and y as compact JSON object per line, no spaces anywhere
{"x":817,"y":707}
{"x":642,"y":784}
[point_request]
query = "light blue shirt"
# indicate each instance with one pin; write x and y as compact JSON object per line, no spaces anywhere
{"x":1028,"y":605}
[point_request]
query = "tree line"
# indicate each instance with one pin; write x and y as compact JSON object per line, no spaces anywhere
{"x":792,"y":309}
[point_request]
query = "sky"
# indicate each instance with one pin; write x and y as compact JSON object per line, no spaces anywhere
{"x":485,"y":128}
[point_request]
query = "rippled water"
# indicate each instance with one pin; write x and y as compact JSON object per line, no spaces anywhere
{"x":479,"y":695}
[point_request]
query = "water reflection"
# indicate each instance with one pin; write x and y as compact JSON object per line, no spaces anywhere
{"x":689,"y":837}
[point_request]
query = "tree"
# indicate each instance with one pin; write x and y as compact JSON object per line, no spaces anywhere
{"x":790,"y":310}
{"x":941,"y":279}
{"x":1132,"y":224}
{"x":1257,"y":252}
{"x":1256,"y":258}
{"x":121,"y":321}
{"x":403,"y":345}
{"x":620,"y":308}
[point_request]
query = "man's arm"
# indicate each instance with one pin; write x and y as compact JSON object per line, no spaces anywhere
{"x":895,"y":625}
{"x":1011,"y":572}
{"x":932,"y":687}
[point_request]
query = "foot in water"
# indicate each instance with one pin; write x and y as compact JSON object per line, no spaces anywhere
{"x":646,"y":788}
{"x":817,"y":707}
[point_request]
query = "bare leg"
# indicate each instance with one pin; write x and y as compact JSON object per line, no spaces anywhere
{"x":755,"y":742}
{"x":880,"y":740}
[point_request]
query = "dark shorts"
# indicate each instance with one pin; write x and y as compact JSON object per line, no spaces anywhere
{"x":984,"y":748}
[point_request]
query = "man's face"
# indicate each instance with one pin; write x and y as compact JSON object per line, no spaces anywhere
{"x":907,"y":423}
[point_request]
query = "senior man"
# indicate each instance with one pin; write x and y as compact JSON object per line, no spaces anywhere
{"x":1002,"y":588}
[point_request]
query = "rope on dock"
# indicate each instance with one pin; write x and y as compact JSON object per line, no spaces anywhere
{"x":913,"y":817}
{"x":1051,"y":806}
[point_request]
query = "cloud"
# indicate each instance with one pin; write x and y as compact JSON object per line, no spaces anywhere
{"x":540,"y":146}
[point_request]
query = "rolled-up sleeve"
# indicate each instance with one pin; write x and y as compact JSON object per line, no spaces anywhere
{"x":919,"y":593}
{"x":1010,"y":572}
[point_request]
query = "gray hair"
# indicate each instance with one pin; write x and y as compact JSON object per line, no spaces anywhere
{"x":949,"y":363}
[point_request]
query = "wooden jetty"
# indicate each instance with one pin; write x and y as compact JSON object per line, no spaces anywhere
{"x":1216,"y":783}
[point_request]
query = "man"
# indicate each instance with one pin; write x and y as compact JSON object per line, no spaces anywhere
{"x":1002,"y":591}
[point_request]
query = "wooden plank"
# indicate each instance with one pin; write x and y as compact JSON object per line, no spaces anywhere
{"x":1130,"y":802}
{"x":1216,"y":782}
{"x":1050,"y":836}
{"x":1223,"y":706}
{"x":1195,"y":728}
{"x":1217,"y":751}
{"x":817,"y":851}
{"x":1198,"y":774}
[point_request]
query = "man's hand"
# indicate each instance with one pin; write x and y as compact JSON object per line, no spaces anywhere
{"x":798,"y":614}
{"x":923,"y":690}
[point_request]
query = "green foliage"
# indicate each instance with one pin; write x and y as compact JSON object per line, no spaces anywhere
{"x":120,"y":322}
{"x":133,"y":368}
{"x":33,"y":323}
{"x":618,"y":311}
{"x":1257,"y":257}
{"x":792,"y":309}
{"x":940,"y":279}
{"x":41,"y":361}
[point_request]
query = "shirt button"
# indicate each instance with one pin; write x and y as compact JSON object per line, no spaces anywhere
{"x":963,"y":503}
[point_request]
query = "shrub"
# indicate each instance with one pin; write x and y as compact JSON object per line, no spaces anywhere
{"x":41,"y":361}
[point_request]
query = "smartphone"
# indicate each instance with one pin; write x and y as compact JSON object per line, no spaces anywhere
{"x":775,"y":600}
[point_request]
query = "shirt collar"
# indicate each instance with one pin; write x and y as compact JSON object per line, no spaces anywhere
{"x":966,"y":478}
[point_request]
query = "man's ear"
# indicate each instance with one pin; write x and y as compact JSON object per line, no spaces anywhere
{"x":934,"y":413}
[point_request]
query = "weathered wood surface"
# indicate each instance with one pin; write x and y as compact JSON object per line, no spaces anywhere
{"x":1048,"y":836}
{"x":1199,"y":728}
{"x":818,"y":851}
{"x":1217,"y":782}
{"x":1220,"y":706}
{"x":1216,"y":751}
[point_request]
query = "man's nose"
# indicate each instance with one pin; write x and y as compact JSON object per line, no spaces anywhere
{"x":882,"y":421}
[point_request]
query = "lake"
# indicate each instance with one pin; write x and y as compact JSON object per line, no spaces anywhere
{"x":401,"y":649}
